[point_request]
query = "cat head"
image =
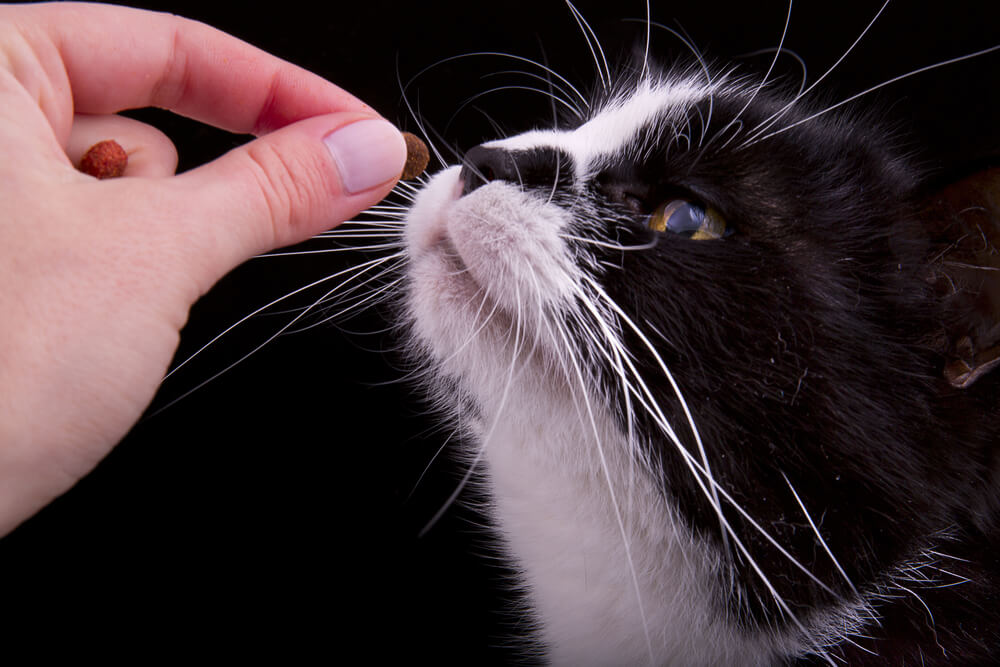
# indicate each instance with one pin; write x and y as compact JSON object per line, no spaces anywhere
{"x":790,"y":332}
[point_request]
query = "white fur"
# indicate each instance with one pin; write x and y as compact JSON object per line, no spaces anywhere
{"x":616,"y":125}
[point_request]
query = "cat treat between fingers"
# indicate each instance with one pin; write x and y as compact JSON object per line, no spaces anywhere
{"x":417,"y":156}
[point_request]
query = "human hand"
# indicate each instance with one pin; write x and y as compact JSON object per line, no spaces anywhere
{"x":98,"y":276}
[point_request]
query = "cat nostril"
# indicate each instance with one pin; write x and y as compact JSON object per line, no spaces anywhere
{"x":482,"y":165}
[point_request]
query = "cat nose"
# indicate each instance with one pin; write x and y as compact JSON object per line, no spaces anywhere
{"x":482,"y":165}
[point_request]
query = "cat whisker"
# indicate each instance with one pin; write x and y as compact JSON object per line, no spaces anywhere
{"x":710,"y":84}
{"x":407,"y":190}
{"x":517,"y":329}
{"x":648,"y":39}
{"x":389,"y":212}
{"x":395,"y":219}
{"x":852,"y":98}
{"x":605,"y":244}
{"x":498,"y":129}
{"x":430,"y":462}
{"x":787,"y":52}
{"x":763,"y":81}
{"x":591,"y":419}
{"x":296,"y":253}
{"x":690,"y":130}
{"x":388,"y":229}
{"x":686,"y":41}
{"x":499,"y":89}
{"x":499,"y":54}
{"x":563,"y":96}
{"x":941,"y":554}
{"x":373,"y":297}
{"x":676,"y":140}
{"x":736,"y":125}
{"x":768,"y":122}
{"x":819,"y":537}
{"x":702,"y":475}
{"x":555,"y":181}
{"x":385,"y":227}
{"x":357,"y":271}
{"x":342,"y":296}
{"x":594,"y":44}
{"x":520,"y":178}
{"x":417,"y":118}
{"x":687,"y":413}
{"x":919,"y":599}
{"x":958,"y":579}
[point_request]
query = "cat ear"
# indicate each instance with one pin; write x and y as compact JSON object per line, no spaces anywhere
{"x":965,"y":219}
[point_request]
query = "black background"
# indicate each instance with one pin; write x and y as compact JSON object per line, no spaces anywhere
{"x":276,"y":510}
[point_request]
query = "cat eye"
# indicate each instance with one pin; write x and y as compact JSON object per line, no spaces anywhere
{"x":690,"y":220}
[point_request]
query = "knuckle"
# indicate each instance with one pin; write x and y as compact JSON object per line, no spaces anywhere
{"x":171,"y":86}
{"x":288,"y":189}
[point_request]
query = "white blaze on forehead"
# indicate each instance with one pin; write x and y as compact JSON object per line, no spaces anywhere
{"x":617,"y":124}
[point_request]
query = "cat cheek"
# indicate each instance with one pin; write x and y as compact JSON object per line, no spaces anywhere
{"x":425,"y":223}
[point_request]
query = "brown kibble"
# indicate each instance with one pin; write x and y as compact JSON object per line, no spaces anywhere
{"x":105,"y":159}
{"x":417,"y":156}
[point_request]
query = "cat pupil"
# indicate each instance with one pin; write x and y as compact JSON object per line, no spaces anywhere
{"x":686,"y":219}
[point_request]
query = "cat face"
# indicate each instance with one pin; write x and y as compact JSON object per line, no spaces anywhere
{"x":698,"y":327}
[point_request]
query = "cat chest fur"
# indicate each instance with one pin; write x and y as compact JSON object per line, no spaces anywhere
{"x":550,"y":471}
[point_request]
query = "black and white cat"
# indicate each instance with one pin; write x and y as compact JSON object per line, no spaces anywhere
{"x":721,"y":360}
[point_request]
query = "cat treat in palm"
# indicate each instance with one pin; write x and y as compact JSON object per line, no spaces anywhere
{"x":105,"y":159}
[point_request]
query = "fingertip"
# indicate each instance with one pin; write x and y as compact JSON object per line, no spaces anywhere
{"x":368,"y":153}
{"x":294,"y":183}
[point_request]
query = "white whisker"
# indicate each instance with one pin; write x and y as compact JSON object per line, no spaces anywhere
{"x":379,"y":246}
{"x":626,"y":543}
{"x":499,"y":89}
{"x":927,"y":68}
{"x":767,"y":75}
{"x":819,"y":537}
{"x":593,"y":44}
{"x":605,"y":244}
{"x":358,"y":269}
{"x":484,"y":443}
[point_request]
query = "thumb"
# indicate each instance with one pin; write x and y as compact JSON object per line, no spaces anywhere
{"x":290,"y":185}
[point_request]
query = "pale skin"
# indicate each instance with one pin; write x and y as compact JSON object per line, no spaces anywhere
{"x":98,"y":276}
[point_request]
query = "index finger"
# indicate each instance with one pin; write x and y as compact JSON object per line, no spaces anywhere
{"x":121,"y":58}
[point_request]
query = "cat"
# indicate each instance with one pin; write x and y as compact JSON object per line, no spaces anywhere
{"x":721,"y":362}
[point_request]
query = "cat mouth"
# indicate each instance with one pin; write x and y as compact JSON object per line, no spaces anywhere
{"x":452,"y":257}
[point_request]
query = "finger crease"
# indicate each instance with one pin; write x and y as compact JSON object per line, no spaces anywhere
{"x":170,"y":89}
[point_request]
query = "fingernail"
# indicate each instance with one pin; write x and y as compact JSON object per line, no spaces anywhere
{"x":367,"y":153}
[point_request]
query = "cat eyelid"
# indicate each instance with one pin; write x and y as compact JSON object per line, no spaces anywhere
{"x":643,"y":200}
{"x":634,"y":198}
